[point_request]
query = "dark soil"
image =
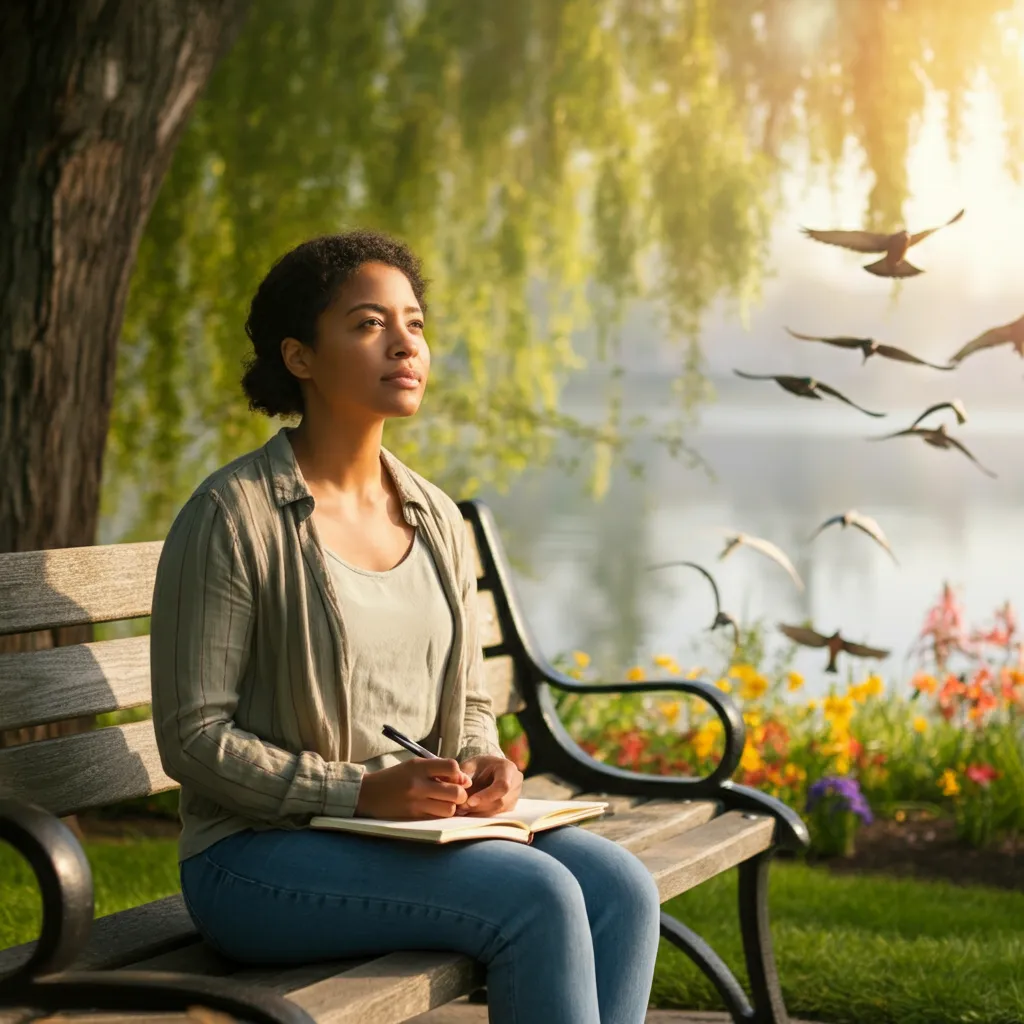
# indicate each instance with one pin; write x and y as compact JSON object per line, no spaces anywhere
{"x":928,"y":848}
{"x":914,"y":848}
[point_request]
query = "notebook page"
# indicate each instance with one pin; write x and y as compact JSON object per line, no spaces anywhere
{"x":526,"y":811}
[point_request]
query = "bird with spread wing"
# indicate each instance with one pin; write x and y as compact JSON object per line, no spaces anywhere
{"x":721,"y":618}
{"x":955,"y":404}
{"x":860,"y":522}
{"x":805,"y":387}
{"x":869,"y":347}
{"x":736,"y":539}
{"x":937,"y":437}
{"x":895,"y":246}
{"x":1007,"y":334}
{"x":836,"y":644}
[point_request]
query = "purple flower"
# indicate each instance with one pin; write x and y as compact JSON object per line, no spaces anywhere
{"x":842,"y":794}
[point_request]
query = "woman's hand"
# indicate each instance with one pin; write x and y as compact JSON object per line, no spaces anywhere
{"x":497,"y":783}
{"x":415,"y":789}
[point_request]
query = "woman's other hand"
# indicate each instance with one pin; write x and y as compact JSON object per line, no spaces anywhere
{"x":415,"y":789}
{"x":497,"y":783}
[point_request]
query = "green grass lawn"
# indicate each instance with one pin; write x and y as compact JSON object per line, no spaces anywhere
{"x":851,"y":950}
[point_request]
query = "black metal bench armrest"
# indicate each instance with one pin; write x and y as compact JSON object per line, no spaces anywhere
{"x":577,"y":766}
{"x":65,"y":883}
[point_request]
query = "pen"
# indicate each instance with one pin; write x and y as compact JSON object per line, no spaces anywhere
{"x":403,"y":741}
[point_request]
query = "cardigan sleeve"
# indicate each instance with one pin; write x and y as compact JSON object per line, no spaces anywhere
{"x":200,"y":642}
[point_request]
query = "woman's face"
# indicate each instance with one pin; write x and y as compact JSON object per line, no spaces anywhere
{"x":371,"y":360}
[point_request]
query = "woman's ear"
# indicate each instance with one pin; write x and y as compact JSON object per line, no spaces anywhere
{"x":296,"y":358}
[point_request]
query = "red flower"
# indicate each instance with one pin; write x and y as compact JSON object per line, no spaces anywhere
{"x":982,"y":774}
{"x":631,"y":748}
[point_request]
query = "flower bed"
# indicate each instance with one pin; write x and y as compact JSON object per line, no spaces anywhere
{"x":947,"y":740}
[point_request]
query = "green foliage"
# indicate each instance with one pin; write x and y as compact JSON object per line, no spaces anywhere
{"x":552,"y":161}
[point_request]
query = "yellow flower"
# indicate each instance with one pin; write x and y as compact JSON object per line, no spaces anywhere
{"x":811,"y":705}
{"x":713,"y":726}
{"x":742,"y":672}
{"x":751,"y":759}
{"x":704,"y":739}
{"x":900,"y":816}
{"x":636,"y":675}
{"x":842,"y":764}
{"x":920,"y":723}
{"x":794,"y":681}
{"x":752,"y":718}
{"x":695,"y":673}
{"x":947,"y":780}
{"x":724,"y":685}
{"x":838,"y":708}
{"x":581,"y":658}
{"x":873,"y":685}
{"x":793,"y":773}
{"x":857,"y":693}
{"x":670,"y":709}
{"x":667,"y":662}
{"x":753,"y":687}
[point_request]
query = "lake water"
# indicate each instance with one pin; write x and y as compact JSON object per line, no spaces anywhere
{"x":579,"y":565}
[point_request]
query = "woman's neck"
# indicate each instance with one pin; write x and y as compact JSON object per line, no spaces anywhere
{"x":338,"y":456}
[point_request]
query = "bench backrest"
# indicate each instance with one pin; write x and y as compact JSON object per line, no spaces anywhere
{"x":106,"y":583}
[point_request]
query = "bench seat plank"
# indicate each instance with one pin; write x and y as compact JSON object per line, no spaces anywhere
{"x":686,"y":860}
{"x":125,"y":937}
{"x":653,"y":822}
{"x":548,"y":787}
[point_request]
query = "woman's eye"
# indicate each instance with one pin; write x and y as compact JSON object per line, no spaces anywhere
{"x":418,"y":324}
{"x":372,"y":320}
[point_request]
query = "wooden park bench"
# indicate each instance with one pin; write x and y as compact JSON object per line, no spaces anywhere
{"x":684,"y":830}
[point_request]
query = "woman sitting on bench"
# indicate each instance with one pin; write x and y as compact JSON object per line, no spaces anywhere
{"x":311,"y":591}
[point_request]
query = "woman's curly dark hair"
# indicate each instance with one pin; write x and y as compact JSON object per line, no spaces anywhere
{"x":290,"y":299}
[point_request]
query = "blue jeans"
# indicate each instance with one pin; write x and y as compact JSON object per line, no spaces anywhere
{"x":567,"y":928}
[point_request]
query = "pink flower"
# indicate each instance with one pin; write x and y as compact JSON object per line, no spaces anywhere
{"x":981,"y":774}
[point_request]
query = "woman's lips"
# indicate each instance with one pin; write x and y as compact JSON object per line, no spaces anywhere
{"x":407,"y":383}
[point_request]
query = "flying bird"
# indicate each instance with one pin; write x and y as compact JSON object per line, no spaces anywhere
{"x":1012,"y":334}
{"x":869,"y":347}
{"x":776,"y":554}
{"x":807,"y":637}
{"x":805,"y":387}
{"x":937,"y":437}
{"x":861,"y":522}
{"x":895,"y":246}
{"x":956,"y":405}
{"x":721,"y":618}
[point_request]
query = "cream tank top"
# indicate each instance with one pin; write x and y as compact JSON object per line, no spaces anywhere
{"x":399,"y":629}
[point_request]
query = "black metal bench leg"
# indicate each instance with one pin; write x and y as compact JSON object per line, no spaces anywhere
{"x":769,"y":1007}
{"x":712,"y":965}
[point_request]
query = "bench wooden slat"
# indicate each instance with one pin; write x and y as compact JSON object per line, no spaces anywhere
{"x":391,"y":988}
{"x":547,"y":787}
{"x":474,"y":548}
{"x":125,"y":937}
{"x":111,"y":675}
{"x":501,"y":684}
{"x":69,"y":682}
{"x":72,"y":586}
{"x":653,"y":822}
{"x":90,"y":769}
{"x":686,"y":860}
{"x":490,"y":627}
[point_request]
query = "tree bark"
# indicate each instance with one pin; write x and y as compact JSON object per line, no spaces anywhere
{"x":94,"y":95}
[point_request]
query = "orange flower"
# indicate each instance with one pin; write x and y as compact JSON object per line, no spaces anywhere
{"x":924,"y":683}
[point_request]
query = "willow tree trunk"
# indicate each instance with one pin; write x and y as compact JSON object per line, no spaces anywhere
{"x":94,"y":95}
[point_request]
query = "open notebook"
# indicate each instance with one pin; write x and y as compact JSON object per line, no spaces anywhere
{"x":519,"y":824}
